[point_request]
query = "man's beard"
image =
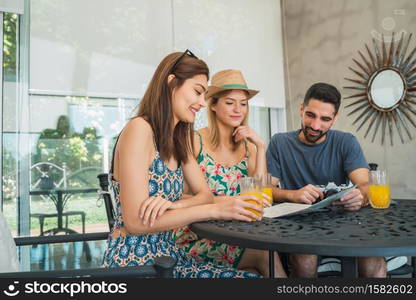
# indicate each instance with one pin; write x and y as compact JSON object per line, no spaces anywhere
{"x":312,"y":138}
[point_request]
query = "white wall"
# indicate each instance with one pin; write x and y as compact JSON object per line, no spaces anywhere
{"x":97,"y":47}
{"x":237,"y":34}
{"x":110,"y":48}
{"x":12,"y":6}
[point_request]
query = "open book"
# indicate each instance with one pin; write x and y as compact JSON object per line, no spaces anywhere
{"x":288,"y":209}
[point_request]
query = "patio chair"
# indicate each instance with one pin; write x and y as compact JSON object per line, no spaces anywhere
{"x":396,"y":266}
{"x":9,"y":265}
{"x":106,"y":195}
{"x":49,"y":176}
{"x":162,"y":268}
{"x":331,"y":266}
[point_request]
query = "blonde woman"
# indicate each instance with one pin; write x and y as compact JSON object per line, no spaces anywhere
{"x":227,"y":150}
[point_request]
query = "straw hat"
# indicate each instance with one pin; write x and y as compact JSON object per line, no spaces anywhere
{"x":228,"y":80}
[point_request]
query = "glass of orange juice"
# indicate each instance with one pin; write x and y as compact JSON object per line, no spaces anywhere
{"x":251,"y":186}
{"x":379,"y":190}
{"x":266,"y":186}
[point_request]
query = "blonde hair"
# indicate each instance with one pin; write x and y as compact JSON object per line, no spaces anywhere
{"x":213,"y":129}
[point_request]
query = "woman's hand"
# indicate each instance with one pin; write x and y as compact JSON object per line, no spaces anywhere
{"x":235,"y":208}
{"x":245,"y":132}
{"x":267,"y":201}
{"x":153,"y":208}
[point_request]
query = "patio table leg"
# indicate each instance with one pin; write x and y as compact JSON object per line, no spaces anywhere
{"x":271,"y":264}
{"x":349,"y":266}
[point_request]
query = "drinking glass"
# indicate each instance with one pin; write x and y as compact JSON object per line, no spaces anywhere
{"x":379,"y":190}
{"x":251,"y":186}
{"x":266,"y":186}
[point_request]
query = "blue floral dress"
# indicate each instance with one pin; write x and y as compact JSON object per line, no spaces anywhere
{"x":142,"y":249}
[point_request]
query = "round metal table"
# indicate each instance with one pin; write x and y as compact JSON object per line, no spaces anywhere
{"x":330,"y":231}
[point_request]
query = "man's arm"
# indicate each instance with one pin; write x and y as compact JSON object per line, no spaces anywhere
{"x":358,"y":197}
{"x":307,"y":195}
{"x":360,"y":177}
{"x":357,"y":170}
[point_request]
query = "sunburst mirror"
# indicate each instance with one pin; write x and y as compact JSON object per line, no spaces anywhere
{"x":385,"y":80}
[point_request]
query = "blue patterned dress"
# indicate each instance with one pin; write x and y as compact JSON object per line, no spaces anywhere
{"x":142,"y":249}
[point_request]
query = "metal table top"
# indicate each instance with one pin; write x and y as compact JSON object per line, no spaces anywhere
{"x":367,"y":232}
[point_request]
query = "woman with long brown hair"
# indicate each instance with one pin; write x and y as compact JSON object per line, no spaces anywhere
{"x":152,"y":158}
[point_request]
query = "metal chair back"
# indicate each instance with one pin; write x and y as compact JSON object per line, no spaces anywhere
{"x":47,"y":170}
{"x":107,"y":197}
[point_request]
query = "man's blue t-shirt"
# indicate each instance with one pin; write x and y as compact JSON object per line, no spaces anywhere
{"x":297,"y":164}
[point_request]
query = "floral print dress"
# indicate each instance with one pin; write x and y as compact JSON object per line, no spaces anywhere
{"x":223,"y":181}
{"x":133,"y":250}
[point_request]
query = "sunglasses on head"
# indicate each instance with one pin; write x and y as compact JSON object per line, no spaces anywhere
{"x":186,"y":52}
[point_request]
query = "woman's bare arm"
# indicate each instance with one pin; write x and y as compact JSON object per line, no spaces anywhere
{"x":134,"y":154}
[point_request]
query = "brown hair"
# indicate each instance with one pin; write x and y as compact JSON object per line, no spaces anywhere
{"x":214,"y":131}
{"x":156,"y":105}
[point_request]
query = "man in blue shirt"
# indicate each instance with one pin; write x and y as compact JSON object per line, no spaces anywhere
{"x":316,"y":155}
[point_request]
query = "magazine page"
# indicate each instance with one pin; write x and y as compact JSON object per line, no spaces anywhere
{"x":284,"y":209}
